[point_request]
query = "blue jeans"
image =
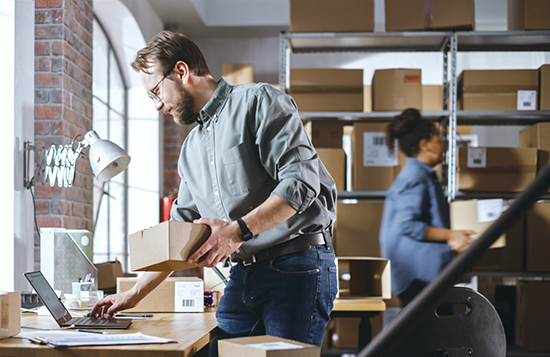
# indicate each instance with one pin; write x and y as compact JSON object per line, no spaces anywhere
{"x":289,"y":297}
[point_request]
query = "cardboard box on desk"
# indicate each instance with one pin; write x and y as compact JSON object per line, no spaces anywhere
{"x":10,"y":314}
{"x":166,"y":246}
{"x":396,"y":89}
{"x":334,"y":160}
{"x":532,"y":315}
{"x":537,"y":244}
{"x":418,"y":15}
{"x":506,"y":254}
{"x":180,"y":294}
{"x":331,"y":16}
{"x":265,"y":346}
{"x":528,"y":15}
{"x":356,"y":229}
{"x":498,"y":169}
{"x":368,"y":277}
{"x":373,"y":167}
{"x":498,"y":89}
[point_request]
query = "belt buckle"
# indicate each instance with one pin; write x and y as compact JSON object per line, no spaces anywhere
{"x":252,"y":261}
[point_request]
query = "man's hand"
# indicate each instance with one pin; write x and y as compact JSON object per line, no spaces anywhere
{"x":460,"y":240}
{"x":112,"y":304}
{"x":224,"y":239}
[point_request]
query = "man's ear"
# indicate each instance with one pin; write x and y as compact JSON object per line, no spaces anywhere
{"x":181,"y":70}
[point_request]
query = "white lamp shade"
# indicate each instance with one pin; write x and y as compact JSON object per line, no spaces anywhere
{"x":106,"y":158}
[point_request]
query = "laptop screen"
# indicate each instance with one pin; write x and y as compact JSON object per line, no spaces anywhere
{"x":48,"y":296}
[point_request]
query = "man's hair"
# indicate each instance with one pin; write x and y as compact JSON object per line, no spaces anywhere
{"x":165,"y":50}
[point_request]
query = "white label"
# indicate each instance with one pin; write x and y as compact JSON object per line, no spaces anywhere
{"x":489,"y":210}
{"x":477,"y":157}
{"x":189,"y":296}
{"x":527,"y":100}
{"x":375,"y":150}
{"x":275,"y":346}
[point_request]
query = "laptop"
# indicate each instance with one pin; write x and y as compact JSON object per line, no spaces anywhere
{"x":61,"y":314}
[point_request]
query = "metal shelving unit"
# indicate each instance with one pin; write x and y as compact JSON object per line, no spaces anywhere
{"x":449,"y":44}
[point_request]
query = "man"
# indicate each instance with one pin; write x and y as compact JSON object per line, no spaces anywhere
{"x":249,"y":171}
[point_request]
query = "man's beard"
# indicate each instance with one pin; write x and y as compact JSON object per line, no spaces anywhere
{"x":183,"y":110}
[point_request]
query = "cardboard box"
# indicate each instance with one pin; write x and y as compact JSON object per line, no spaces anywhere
{"x":498,"y":89}
{"x":328,"y":102}
{"x":364,"y":277}
{"x":326,"y":80}
{"x":367,"y":99}
{"x":331,"y":16}
{"x":532,"y":315}
{"x":166,"y":246}
{"x":432,"y":98}
{"x":536,"y":136}
{"x":528,"y":15}
{"x":418,"y":15}
{"x":10,"y":314}
{"x":181,"y":294}
{"x":265,"y":346}
{"x":537,"y":244}
{"x":498,"y":169}
{"x":373,"y":167}
{"x":396,"y":89}
{"x":237,"y":73}
{"x":477,"y":215}
{"x":107,"y":273}
{"x":544,"y":87}
{"x":334,"y":160}
{"x":325,"y":133}
{"x":357,"y":227}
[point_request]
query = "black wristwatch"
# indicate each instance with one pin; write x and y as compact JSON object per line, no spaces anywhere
{"x":246,"y":233}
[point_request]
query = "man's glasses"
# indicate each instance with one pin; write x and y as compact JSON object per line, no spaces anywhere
{"x":151,"y":93}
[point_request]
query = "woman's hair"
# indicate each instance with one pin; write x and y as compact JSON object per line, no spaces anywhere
{"x":409,"y":129}
{"x":165,"y":50}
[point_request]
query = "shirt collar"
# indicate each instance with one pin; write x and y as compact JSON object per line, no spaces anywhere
{"x":415,"y":162}
{"x":215,"y":105}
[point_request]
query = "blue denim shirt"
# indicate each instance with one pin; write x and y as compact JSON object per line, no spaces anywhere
{"x":252,"y":145}
{"x":414,"y":201}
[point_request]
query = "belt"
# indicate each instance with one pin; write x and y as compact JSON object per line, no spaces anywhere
{"x":296,"y":245}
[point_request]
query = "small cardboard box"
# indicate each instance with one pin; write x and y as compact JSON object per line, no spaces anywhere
{"x":265,"y":346}
{"x":166,"y":246}
{"x":10,"y":314}
{"x":181,"y":294}
{"x":334,"y":160}
{"x":325,"y":133}
{"x":477,"y":215}
{"x":528,"y":15}
{"x":544,"y":87}
{"x":498,"y":169}
{"x":532,"y":315}
{"x":373,"y":168}
{"x":418,"y":15}
{"x":432,"y":98}
{"x":331,"y":16}
{"x":325,"y":80}
{"x":356,"y":229}
{"x":536,"y":136}
{"x":498,"y":89}
{"x":328,"y":102}
{"x":238,"y":73}
{"x":107,"y":273}
{"x":364,"y":277}
{"x":396,"y":89}
{"x":537,"y":244}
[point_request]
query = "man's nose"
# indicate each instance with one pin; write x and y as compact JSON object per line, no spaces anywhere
{"x":158,"y":104}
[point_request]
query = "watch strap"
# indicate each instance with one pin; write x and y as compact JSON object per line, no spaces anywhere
{"x":246,"y":233}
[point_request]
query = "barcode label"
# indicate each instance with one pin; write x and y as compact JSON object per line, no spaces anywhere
{"x":375,"y":151}
{"x":477,"y":157}
{"x":187,"y":303}
{"x":189,"y":296}
{"x":527,"y":100}
{"x":378,"y":141}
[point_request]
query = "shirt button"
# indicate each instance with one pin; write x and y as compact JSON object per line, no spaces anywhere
{"x":216,"y":193}
{"x":238,"y":251}
{"x":215,"y":116}
{"x":208,"y":129}
{"x":211,"y":162}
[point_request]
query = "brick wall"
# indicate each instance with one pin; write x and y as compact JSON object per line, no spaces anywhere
{"x":174,"y":135}
{"x":63,"y":104}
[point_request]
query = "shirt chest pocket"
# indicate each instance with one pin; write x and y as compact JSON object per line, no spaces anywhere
{"x":243,"y":169}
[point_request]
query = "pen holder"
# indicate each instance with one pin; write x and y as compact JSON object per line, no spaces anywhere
{"x":78,"y":288}
{"x":89,"y":298}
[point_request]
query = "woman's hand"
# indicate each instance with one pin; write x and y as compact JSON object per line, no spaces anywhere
{"x":460,"y":240}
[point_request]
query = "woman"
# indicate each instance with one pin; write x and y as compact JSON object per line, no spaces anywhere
{"x":415,"y":232}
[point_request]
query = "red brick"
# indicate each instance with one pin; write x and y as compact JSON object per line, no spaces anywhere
{"x":42,"y":48}
{"x":49,"y":221}
{"x":57,"y":48}
{"x":42,"y":206}
{"x":57,"y":16}
{"x":47,"y":111}
{"x":48,"y":80}
{"x":48,"y":3}
{"x":61,"y":207}
{"x":57,"y":95}
{"x":41,"y":64}
{"x":57,"y":64}
{"x":41,"y":96}
{"x":41,"y":127}
{"x":42,"y":32}
{"x":42,"y":17}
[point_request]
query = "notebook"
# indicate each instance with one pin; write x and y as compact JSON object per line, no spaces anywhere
{"x":61,"y":314}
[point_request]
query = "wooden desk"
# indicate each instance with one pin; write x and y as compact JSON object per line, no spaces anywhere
{"x":192,"y":331}
{"x":364,"y":308}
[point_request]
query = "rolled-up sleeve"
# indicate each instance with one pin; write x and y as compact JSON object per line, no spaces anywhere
{"x":285,"y":149}
{"x":183,"y":208}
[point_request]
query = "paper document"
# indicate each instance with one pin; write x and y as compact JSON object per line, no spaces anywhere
{"x":73,"y":338}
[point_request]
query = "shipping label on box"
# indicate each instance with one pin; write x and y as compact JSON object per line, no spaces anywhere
{"x":376,"y":152}
{"x":527,"y":100}
{"x":188,"y":296}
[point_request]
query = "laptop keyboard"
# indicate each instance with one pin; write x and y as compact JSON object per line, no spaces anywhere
{"x":90,"y":321}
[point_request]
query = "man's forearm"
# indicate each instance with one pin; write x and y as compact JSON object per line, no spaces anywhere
{"x":275,"y":210}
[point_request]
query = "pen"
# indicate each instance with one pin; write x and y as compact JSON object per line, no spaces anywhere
{"x":122,"y":316}
{"x":92,"y":331}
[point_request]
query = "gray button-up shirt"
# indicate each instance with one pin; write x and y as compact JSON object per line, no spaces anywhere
{"x":251,"y":144}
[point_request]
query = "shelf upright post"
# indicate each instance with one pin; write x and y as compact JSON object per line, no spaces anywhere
{"x":284,"y":64}
{"x":452,"y":98}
